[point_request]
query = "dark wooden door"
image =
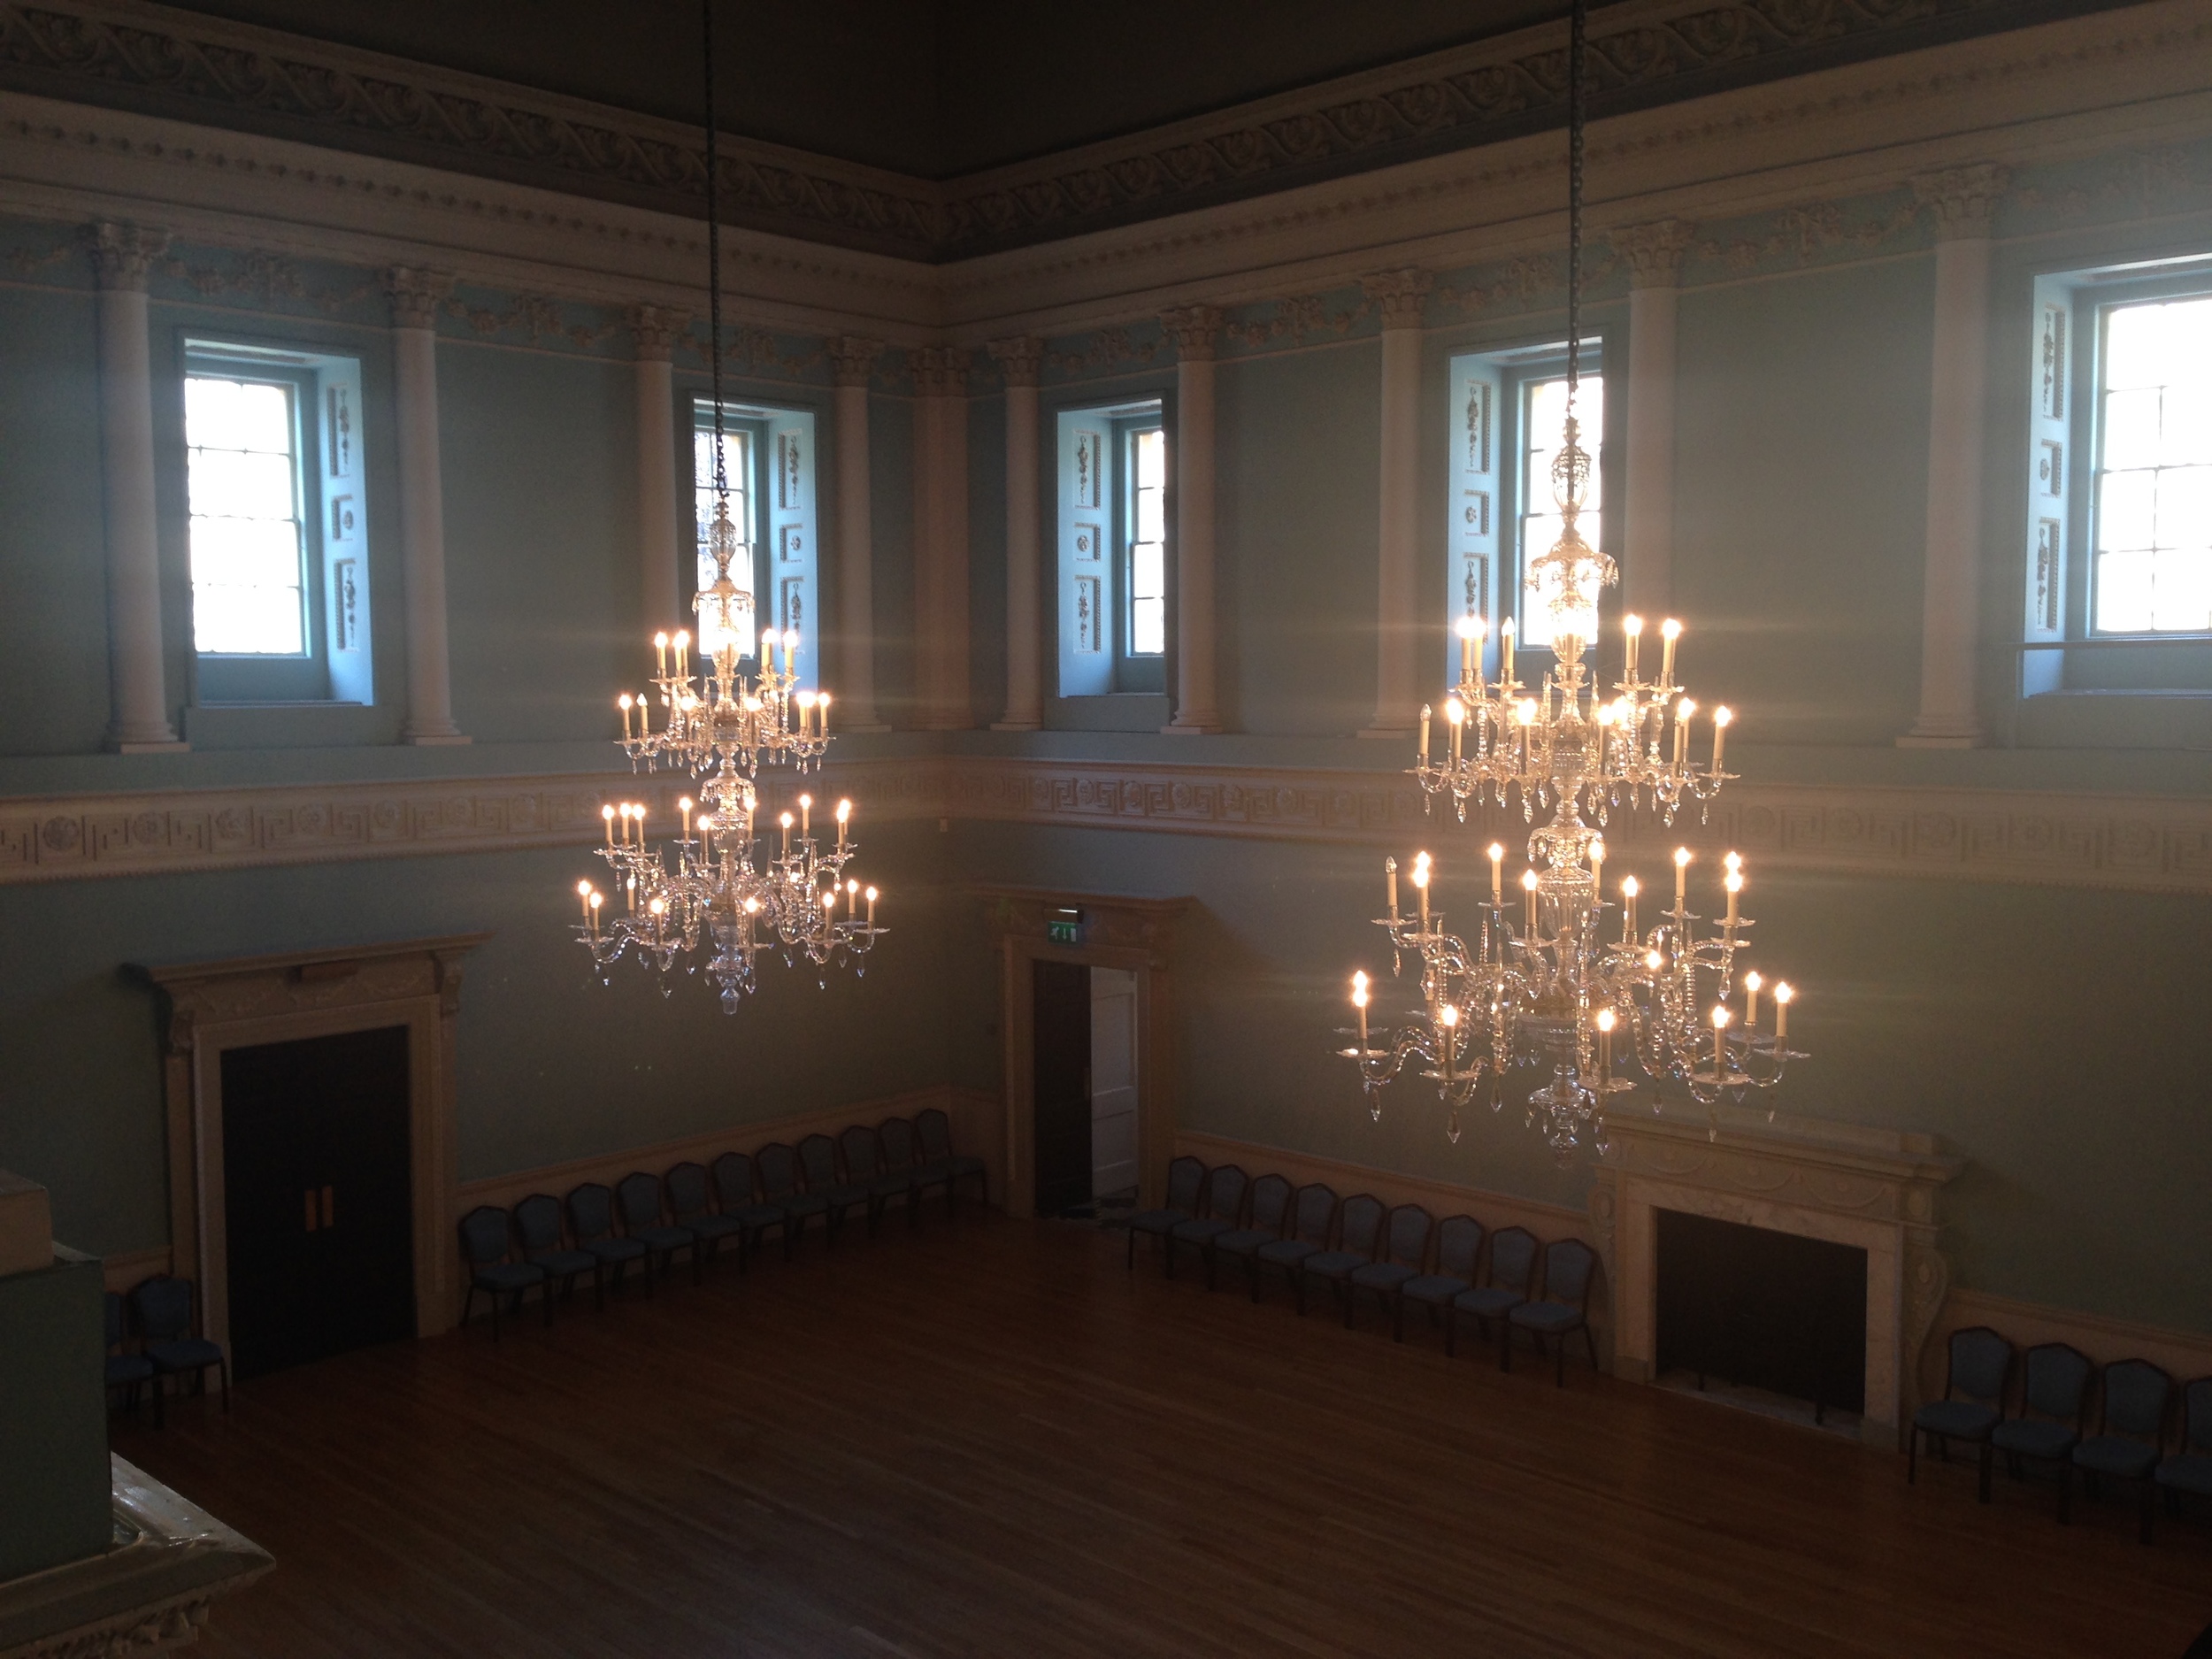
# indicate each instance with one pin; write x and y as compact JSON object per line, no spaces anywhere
{"x":317,"y":1200}
{"x":1061,"y":1081}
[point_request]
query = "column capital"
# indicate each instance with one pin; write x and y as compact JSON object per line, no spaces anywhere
{"x":941,"y":370}
{"x":1400,"y":294}
{"x":854,"y":358}
{"x":655,"y":329}
{"x":1654,"y":252}
{"x":1195,"y":329}
{"x":1019,"y":359}
{"x":414,"y":292}
{"x":1964,"y":198}
{"x":123,"y":254}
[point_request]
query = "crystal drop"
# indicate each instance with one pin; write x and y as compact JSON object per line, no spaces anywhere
{"x":1451,"y":1128}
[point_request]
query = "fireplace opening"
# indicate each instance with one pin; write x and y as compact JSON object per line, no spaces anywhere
{"x":1761,"y":1309}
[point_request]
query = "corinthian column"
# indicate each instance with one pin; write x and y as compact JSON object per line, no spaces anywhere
{"x":1963,"y":200}
{"x":941,"y":527}
{"x":1194,"y":329}
{"x":1019,"y":360}
{"x":138,"y":714}
{"x":855,"y":684}
{"x":415,"y":295}
{"x":654,"y":330}
{"x":1399,"y":294}
{"x":1654,"y":253}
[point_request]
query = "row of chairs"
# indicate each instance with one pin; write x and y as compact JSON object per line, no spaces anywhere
{"x":648,"y":1218}
{"x":2048,"y":1424}
{"x":162,"y":1346}
{"x":1359,"y":1247}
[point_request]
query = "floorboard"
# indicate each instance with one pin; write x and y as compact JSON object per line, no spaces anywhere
{"x":985,"y":1438}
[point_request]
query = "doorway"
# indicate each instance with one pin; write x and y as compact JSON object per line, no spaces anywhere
{"x":1083,"y":1084}
{"x":318,"y":1211}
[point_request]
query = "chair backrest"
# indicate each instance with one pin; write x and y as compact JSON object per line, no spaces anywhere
{"x":1458,"y":1247}
{"x":164,"y":1306}
{"x":640,"y":1195}
{"x":1408,"y":1236}
{"x":114,"y":1300}
{"x":1567,"y":1264}
{"x":732,"y":1181}
{"x":779,"y":1167}
{"x":2057,"y":1382}
{"x":1185,"y":1176}
{"x":2135,"y":1396}
{"x":688,"y":1192}
{"x":1271,"y":1203}
{"x":484,"y":1235}
{"x":590,"y":1212}
{"x":864,"y":1153}
{"x":1359,"y":1226}
{"x":1981,"y":1360}
{"x":897,"y":1136}
{"x":1314,"y":1214}
{"x":538,"y":1219}
{"x":935,"y":1131}
{"x":1512,"y":1258}
{"x":1224,"y":1192}
{"x":2196,"y":1415}
{"x":818,"y":1158}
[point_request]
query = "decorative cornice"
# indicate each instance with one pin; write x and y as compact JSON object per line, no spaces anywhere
{"x":2129,"y":843}
{"x":123,"y":256}
{"x":1019,"y":360}
{"x":1403,"y":295}
{"x":416,"y":294}
{"x":1964,"y":199}
{"x":655,"y":330}
{"x":1196,"y":331}
{"x":855,"y":358}
{"x":1654,"y":252}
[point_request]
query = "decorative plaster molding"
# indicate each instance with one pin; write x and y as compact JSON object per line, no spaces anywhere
{"x":655,"y":329}
{"x":1196,"y":331}
{"x":855,"y":358}
{"x":940,"y":370}
{"x":1019,"y":359}
{"x":1654,"y":252}
{"x":1964,"y":198}
{"x":1403,"y":295}
{"x":416,"y":295}
{"x":123,"y":256}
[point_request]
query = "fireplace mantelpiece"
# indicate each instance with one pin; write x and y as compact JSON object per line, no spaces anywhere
{"x":1872,"y":1189}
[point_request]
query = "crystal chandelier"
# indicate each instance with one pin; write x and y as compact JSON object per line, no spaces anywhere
{"x":1548,"y":982}
{"x":721,"y":726}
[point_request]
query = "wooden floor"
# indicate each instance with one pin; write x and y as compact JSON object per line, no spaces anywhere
{"x":985,"y":1439}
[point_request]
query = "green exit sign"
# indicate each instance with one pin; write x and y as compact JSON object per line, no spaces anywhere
{"x":1063,"y":932}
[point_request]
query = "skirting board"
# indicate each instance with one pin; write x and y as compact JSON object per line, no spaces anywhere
{"x":2185,"y":1354}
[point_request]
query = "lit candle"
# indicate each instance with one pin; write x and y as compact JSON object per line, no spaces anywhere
{"x":1390,"y":881}
{"x":821,"y":716}
{"x":637,"y":823}
{"x":1734,"y":884}
{"x":1528,"y":888}
{"x":791,"y":653}
{"x":1751,"y":984}
{"x":1683,"y":711}
{"x":1633,"y":627}
{"x":1605,"y":1048}
{"x":1359,"y":1001}
{"x":623,"y":703}
{"x":871,"y":909}
{"x":606,"y":814}
{"x":1455,"y":712}
{"x":592,"y":915}
{"x":1470,"y":631}
{"x":1421,"y":886}
{"x":1720,"y":1043}
{"x":684,"y":805}
{"x":1425,"y":734}
{"x":1681,"y":874}
{"x":785,"y":821}
{"x":844,"y":816}
{"x":629,"y":887}
{"x":1669,"y":631}
{"x":583,"y":897}
{"x":1505,"y":647}
{"x":1497,"y":874}
{"x":682,"y":642}
{"x":1722,"y":716}
{"x":1448,"y":1016}
{"x":806,"y":712}
{"x":806,"y":816}
{"x":1597,"y":867}
{"x":626,"y":823}
{"x":1782,"y":996}
{"x":660,"y":655}
{"x":1629,"y":890}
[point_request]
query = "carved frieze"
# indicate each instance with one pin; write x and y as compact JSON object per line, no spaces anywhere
{"x":1654,"y":252}
{"x":855,"y":358}
{"x":1964,"y":199}
{"x":1196,"y":331}
{"x":415,"y":294}
{"x":655,"y":329}
{"x":123,"y":256}
{"x":1403,"y":295}
{"x":1020,"y":360}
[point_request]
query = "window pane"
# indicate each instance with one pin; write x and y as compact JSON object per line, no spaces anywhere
{"x":737,"y":466}
{"x":241,"y":485}
{"x":2134,"y":347}
{"x":2124,"y":592}
{"x":246,"y":621}
{"x":2126,"y":510}
{"x":1151,"y":526}
{"x":2154,"y":483}
{"x":245,"y":553}
{"x":1147,"y":628}
{"x":1148,"y":570}
{"x":1544,"y":434}
{"x":1151,"y":459}
{"x":2184,"y":507}
{"x":232,"y":484}
{"x":2131,"y":429}
{"x":2181,"y":599}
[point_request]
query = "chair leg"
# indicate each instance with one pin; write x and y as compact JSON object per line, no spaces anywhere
{"x":1590,"y":1342}
{"x":222,"y":1369}
{"x":1252,"y":1275}
{"x":694,"y":1261}
{"x":467,"y":1302}
{"x":161,"y":1413}
{"x":1167,"y":1265}
{"x":1351,"y":1301}
{"x":1129,"y":1257}
{"x":1559,"y":1362}
{"x":1505,"y":1345}
{"x":1298,"y":1285}
{"x":1210,"y":1267}
{"x":495,"y":1302}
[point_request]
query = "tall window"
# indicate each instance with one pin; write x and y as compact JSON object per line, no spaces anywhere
{"x":248,"y":532}
{"x":2153,"y":485}
{"x":1145,"y":466}
{"x":737,"y":462}
{"x":1543,"y":429}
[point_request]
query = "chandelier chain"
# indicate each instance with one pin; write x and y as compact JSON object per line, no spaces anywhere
{"x":1578,"y":94}
{"x":714,"y":255}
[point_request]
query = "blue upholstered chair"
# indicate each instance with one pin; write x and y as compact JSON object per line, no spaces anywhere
{"x":940,"y":1163}
{"x":2054,"y":1408}
{"x":778,"y":1167}
{"x":2188,"y":1472}
{"x":1270,"y":1212}
{"x":1458,"y":1247}
{"x":691,"y":1204}
{"x":1312,"y":1218}
{"x":639,"y":1196}
{"x":2131,"y":1437}
{"x":1569,"y":1267}
{"x":165,"y":1310}
{"x":895,"y":1139}
{"x":125,"y":1369}
{"x":1405,"y":1253}
{"x":1220,"y":1209}
{"x":1973,"y":1403}
{"x":817,"y":1161}
{"x":591,"y":1228}
{"x":1359,"y":1225}
{"x":733,"y":1192}
{"x":484,"y":1251}
{"x":861,"y":1148}
{"x":538,"y":1224}
{"x":1185,"y":1176}
{"x":1512,"y":1265}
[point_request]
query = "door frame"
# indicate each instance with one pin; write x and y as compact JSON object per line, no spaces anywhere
{"x":1117,"y":932}
{"x":247,"y":1001}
